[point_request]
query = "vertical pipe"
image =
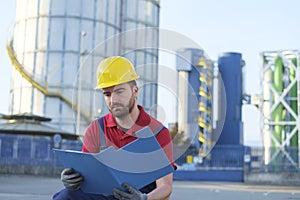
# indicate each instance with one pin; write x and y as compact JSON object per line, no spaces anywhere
{"x":293,"y":102}
{"x":121,"y":26}
{"x":298,"y":101}
{"x":183,"y":95}
{"x":277,"y":113}
{"x":266,"y":113}
{"x":294,"y":106}
{"x":83,"y":34}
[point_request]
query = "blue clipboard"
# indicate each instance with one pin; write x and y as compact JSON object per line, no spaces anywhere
{"x":138,"y":163}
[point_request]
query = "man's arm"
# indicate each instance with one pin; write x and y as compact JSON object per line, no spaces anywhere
{"x":163,"y":188}
{"x":91,"y":140}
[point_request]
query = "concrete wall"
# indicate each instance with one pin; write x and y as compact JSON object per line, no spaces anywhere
{"x":278,"y":178}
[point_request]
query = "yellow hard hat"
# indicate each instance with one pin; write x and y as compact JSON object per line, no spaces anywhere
{"x":115,"y":70}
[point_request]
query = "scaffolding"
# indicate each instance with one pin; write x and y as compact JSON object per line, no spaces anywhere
{"x":279,"y":107}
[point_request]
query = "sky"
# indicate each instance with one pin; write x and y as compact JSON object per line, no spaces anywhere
{"x":246,"y":27}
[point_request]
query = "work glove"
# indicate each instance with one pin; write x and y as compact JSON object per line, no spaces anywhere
{"x":71,"y":179}
{"x":131,"y":194}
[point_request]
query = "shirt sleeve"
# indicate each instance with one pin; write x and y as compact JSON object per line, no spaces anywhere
{"x":91,"y":141}
{"x":165,"y":140}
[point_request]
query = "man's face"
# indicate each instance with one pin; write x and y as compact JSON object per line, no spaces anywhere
{"x":120,"y":99}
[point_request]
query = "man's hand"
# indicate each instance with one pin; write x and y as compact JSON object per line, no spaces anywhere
{"x":131,"y":194}
{"x":71,"y":179}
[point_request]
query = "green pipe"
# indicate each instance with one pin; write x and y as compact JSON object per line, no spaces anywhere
{"x":278,"y":86}
{"x":277,"y":114}
{"x":294,"y":106}
{"x":293,"y":94}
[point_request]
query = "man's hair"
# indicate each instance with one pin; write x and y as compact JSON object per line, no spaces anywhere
{"x":132,"y":83}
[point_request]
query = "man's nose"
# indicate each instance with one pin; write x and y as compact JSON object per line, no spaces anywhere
{"x":114,"y":97}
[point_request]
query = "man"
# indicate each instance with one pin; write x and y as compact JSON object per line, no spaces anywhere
{"x":117,"y":80}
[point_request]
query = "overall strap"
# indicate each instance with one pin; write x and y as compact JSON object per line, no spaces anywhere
{"x":101,"y":133}
{"x":150,"y":187}
{"x":158,"y":129}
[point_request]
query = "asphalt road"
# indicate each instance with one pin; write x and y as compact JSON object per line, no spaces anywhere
{"x":15,"y":187}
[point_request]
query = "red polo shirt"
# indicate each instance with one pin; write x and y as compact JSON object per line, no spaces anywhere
{"x":117,"y":138}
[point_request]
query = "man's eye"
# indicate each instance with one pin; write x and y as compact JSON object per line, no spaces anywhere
{"x":107,"y":94}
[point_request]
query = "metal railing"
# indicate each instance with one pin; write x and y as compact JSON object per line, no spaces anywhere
{"x":42,"y":87}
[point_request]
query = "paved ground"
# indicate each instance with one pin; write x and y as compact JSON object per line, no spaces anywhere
{"x":14,"y":187}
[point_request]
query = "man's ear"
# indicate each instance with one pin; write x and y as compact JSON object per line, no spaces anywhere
{"x":135,"y":89}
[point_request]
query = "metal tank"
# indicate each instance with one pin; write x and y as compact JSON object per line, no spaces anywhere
{"x":139,"y":43}
{"x":57,"y":45}
{"x":230,"y":66}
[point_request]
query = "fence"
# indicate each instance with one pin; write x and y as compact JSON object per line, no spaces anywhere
{"x":20,"y":151}
{"x":250,"y":159}
{"x":279,"y":160}
{"x":31,"y":154}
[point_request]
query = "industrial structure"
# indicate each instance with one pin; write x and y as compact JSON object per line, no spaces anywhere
{"x":57,"y":45}
{"x":223,"y":152}
{"x":211,"y":95}
{"x":279,"y":104}
{"x":195,"y":72}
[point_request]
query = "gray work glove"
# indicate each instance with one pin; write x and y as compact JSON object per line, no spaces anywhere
{"x":71,"y":179}
{"x":131,"y":194}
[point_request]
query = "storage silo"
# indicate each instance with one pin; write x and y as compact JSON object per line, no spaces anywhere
{"x":140,"y":45}
{"x":52,"y":43}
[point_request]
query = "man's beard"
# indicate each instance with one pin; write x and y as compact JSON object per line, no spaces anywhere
{"x":120,"y":111}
